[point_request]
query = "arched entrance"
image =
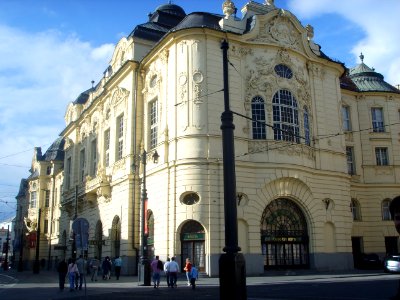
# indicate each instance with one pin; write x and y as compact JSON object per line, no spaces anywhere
{"x":98,"y":237}
{"x":284,"y":236}
{"x":115,"y":237}
{"x":193,"y":244}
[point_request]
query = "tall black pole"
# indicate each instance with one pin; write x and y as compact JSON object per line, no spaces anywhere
{"x":73,"y":254}
{"x":232,"y":266}
{"x":36,"y":265}
{"x":145,"y":260}
{"x":5,"y":264}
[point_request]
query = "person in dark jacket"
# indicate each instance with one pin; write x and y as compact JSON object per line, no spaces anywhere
{"x":62,"y":270}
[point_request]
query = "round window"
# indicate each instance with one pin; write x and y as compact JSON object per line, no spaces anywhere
{"x":283,"y":71}
{"x":190,"y":199}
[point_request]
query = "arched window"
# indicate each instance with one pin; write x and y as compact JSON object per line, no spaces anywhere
{"x":385,"y":210}
{"x":306,"y":127}
{"x":355,"y":210}
{"x":258,"y":117}
{"x":283,"y":71}
{"x":286,"y":120}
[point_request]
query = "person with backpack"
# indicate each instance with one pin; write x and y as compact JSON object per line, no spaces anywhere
{"x":156,"y":267}
{"x":194,"y":275}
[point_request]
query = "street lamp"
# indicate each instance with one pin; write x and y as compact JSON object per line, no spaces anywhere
{"x":144,"y":249}
{"x":232,"y":266}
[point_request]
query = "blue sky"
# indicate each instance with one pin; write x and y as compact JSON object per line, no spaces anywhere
{"x":51,"y":50}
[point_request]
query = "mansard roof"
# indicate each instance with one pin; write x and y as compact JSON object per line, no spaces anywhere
{"x":23,"y":187}
{"x":367,"y":80}
{"x":160,"y":22}
{"x":55,"y":151}
{"x":83,"y":97}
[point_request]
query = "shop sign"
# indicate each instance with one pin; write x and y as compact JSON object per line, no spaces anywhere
{"x":193,"y":236}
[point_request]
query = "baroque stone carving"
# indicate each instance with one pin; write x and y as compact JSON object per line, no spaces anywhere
{"x":119,"y":94}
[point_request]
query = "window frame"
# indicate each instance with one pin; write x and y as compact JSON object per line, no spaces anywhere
{"x":107,"y":143}
{"x":386,"y":216}
{"x":382,"y":156}
{"x":378,"y":121}
{"x":153,"y":123}
{"x":120,"y":137}
{"x":285,"y":116}
{"x":355,"y":210}
{"x":350,"y":158}
{"x":258,"y":116}
{"x":346,"y":118}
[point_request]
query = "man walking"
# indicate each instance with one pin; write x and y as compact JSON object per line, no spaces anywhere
{"x":156,"y":267}
{"x":94,"y":265}
{"x":81,"y":264}
{"x":118,"y":265}
{"x":173,"y":269}
{"x":166,"y":270}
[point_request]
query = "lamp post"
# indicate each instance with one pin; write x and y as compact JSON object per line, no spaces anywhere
{"x":232,"y":266}
{"x":145,"y":261}
{"x":36,"y":265}
{"x":5,"y":264}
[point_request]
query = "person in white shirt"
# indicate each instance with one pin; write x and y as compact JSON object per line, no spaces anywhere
{"x":166,"y":270}
{"x":173,"y":269}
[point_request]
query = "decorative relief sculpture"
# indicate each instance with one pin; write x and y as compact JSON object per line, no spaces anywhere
{"x":119,"y":94}
{"x":197,"y":80}
{"x":240,"y":51}
{"x":228,"y":8}
{"x":182,"y":82}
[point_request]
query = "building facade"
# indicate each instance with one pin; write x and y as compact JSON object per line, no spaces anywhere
{"x":315,"y":147}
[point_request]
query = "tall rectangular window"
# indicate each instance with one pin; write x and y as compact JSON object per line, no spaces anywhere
{"x":346,"y":118}
{"x":46,"y":226}
{"x":153,"y":124}
{"x":120,"y":137}
{"x":82,"y":162}
{"x":33,"y":199}
{"x":381,"y":155}
{"x":46,"y":198}
{"x":93,"y":151}
{"x":351,"y":169}
{"x":377,"y":119}
{"x":68,"y":173}
{"x":107,"y":147}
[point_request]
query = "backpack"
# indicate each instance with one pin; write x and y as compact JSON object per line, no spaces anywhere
{"x":160,"y":265}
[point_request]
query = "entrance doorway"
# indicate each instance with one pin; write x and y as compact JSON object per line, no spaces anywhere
{"x":193,"y":244}
{"x":284,"y":236}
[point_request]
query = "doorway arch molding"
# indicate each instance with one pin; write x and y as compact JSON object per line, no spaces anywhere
{"x":291,"y":188}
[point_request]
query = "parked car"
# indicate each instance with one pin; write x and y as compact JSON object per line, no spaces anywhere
{"x":368,"y":262}
{"x":391,"y":264}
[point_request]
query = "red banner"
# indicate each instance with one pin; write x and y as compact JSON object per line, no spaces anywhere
{"x":146,"y":225}
{"x":32,"y":240}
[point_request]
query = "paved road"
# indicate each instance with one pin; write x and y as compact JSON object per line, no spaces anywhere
{"x":273,"y":286}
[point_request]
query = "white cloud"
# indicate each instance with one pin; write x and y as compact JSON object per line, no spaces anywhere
{"x":40,"y":73}
{"x":378,"y":19}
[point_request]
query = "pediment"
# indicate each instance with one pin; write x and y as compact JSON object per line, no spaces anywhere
{"x":280,"y":28}
{"x":119,"y":55}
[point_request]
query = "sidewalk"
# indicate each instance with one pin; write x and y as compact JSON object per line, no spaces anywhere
{"x":45,"y":285}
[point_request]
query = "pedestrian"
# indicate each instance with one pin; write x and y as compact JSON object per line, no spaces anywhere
{"x":394,"y":208}
{"x":118,"y":265}
{"x":106,"y":267}
{"x":62,"y":269}
{"x":156,"y":268}
{"x":72,"y":273}
{"x":188,"y":269}
{"x":194,"y":275}
{"x":94,"y":266}
{"x":81,"y":263}
{"x":166,"y":270}
{"x":173,"y":269}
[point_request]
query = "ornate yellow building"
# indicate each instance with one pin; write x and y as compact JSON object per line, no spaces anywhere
{"x":315,"y":146}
